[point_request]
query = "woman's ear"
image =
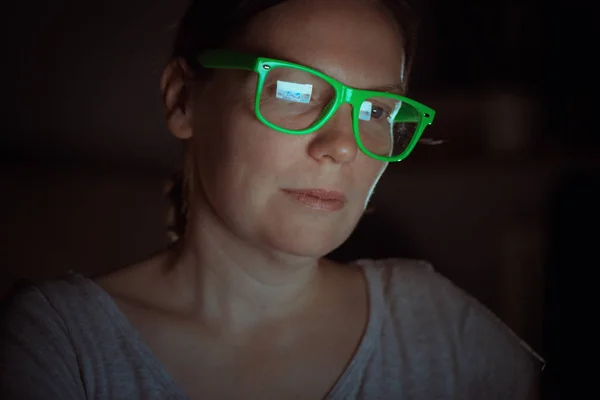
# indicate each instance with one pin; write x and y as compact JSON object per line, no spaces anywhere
{"x":176,"y":94}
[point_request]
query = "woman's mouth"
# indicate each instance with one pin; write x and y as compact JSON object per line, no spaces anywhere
{"x":318,"y":199}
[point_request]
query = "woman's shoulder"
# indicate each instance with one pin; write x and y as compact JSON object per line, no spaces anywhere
{"x":67,"y":334}
{"x":67,"y":292}
{"x":413,"y":290}
{"x":413,"y":286}
{"x":69,"y":305}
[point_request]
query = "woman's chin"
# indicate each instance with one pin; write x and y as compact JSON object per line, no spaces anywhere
{"x":307,"y":251}
{"x":313,"y":244}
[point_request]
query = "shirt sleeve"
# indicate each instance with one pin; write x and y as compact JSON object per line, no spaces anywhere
{"x":37,"y":360}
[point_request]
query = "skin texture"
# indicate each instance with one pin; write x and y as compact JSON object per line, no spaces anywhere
{"x":248,"y":281}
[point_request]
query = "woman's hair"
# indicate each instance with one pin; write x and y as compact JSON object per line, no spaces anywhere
{"x":210,"y":26}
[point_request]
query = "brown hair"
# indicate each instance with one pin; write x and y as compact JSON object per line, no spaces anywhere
{"x":210,"y":27}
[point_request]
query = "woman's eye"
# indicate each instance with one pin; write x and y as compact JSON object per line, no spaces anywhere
{"x":377,"y":112}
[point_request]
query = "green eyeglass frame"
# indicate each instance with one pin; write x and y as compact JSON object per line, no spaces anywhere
{"x":226,"y":59}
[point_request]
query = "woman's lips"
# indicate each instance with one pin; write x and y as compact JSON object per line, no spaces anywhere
{"x":319,"y":199}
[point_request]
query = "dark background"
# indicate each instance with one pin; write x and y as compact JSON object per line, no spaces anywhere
{"x":502,"y":208}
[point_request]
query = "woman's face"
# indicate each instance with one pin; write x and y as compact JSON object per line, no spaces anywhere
{"x":245,"y":171}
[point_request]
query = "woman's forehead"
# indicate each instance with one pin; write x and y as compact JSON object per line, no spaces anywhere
{"x":356,"y":44}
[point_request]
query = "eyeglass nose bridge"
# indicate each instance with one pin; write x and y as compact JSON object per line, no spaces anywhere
{"x":335,"y":104}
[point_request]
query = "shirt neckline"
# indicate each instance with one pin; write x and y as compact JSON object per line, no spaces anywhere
{"x":134,"y":339}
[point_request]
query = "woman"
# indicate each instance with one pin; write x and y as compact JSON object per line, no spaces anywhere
{"x":290,"y":118}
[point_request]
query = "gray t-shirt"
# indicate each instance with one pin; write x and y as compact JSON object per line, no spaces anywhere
{"x":425,"y":339}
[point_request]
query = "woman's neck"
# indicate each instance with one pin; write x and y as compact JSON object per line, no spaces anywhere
{"x":234,"y":287}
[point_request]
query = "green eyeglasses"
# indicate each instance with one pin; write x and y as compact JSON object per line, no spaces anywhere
{"x":298,"y":100}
